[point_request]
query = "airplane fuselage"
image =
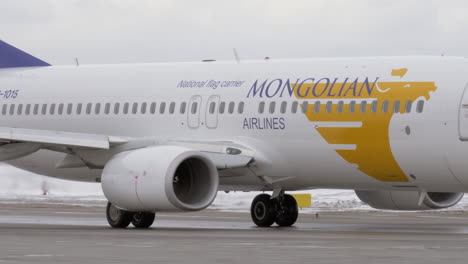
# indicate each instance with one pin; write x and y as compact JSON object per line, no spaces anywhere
{"x":369,"y":123}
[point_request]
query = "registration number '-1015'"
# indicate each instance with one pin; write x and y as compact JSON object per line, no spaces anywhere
{"x":9,"y":94}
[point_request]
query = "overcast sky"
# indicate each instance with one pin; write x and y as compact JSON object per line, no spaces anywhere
{"x":121,"y":31}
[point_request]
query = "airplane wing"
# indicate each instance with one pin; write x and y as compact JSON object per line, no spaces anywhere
{"x":49,"y":137}
{"x":93,"y":150}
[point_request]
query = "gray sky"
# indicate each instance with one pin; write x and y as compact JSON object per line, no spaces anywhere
{"x":122,"y":31}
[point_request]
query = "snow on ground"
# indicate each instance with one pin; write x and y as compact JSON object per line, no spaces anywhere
{"x":18,"y":186}
{"x":321,"y":200}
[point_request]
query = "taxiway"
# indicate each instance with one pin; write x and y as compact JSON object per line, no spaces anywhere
{"x":66,"y":234}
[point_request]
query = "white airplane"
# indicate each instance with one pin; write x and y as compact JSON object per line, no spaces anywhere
{"x":168,"y":136}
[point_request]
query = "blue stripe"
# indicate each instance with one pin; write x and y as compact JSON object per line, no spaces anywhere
{"x":11,"y":57}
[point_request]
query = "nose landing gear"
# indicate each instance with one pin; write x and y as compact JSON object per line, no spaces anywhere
{"x":265,"y":211}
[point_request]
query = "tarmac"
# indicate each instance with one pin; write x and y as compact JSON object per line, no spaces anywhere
{"x":38,"y":233}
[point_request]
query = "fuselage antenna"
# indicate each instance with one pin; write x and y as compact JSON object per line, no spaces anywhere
{"x":236,"y":55}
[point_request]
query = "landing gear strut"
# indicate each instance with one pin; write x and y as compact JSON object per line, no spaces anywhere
{"x":266,"y":211}
{"x":119,"y":218}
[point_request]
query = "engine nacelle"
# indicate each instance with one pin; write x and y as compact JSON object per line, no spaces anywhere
{"x":408,"y":200}
{"x":162,"y":178}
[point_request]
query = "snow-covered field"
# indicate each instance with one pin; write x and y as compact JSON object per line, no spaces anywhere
{"x":17,"y":186}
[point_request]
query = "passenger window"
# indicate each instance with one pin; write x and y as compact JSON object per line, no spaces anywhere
{"x":135,"y":108}
{"x":78,"y":108}
{"x":363,"y":106}
{"x":153,"y":108}
{"x":36,"y":109}
{"x":125,"y":108}
{"x":340,"y":106}
{"x":12,"y":109}
{"x":420,"y":106}
{"x":261,"y":107}
{"x":172,"y":108}
{"x":97,"y":109}
{"x":88,"y":108}
{"x":116,"y":108}
{"x":396,"y":106}
{"x":305,"y":107}
{"x":374,"y":107}
{"x":294,"y":107}
{"x":212,"y":107}
{"x":69,"y":109}
{"x":408,"y":106}
{"x":28,"y":109}
{"x":183,"y":105}
{"x":317,"y":107}
{"x":4,"y":109}
{"x":284,"y":104}
{"x":20,"y":109}
{"x":52,"y":109}
{"x":385,"y":106}
{"x":329,"y":107}
{"x":194,"y":108}
{"x":272,"y":107}
{"x":143,"y":108}
{"x":107,"y":108}
{"x":352,"y":107}
{"x":222,"y":106}
{"x":162,"y":107}
{"x":231,"y":107}
{"x":60,"y":109}
{"x":240,"y":108}
{"x":44,"y":109}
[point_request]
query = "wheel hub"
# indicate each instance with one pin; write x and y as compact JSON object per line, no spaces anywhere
{"x":137,"y":216}
{"x":260,"y":210}
{"x":114,"y":213}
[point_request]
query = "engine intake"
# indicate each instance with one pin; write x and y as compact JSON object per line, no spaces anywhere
{"x":163,"y":178}
{"x":408,"y":200}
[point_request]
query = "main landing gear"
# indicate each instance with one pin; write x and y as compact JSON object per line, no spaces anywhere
{"x":265,"y":211}
{"x":119,"y":218}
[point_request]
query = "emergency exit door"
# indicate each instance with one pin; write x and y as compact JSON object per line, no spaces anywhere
{"x":211,"y":113}
{"x":193,"y":113}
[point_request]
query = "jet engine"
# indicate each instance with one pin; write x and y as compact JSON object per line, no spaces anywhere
{"x":161,"y":178}
{"x":408,"y":200}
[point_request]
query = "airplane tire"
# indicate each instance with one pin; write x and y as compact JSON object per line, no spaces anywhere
{"x":116,"y":217}
{"x":286,"y":211}
{"x":143,"y":219}
{"x":262,"y":210}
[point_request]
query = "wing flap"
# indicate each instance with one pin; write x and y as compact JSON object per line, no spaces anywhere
{"x":17,"y":150}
